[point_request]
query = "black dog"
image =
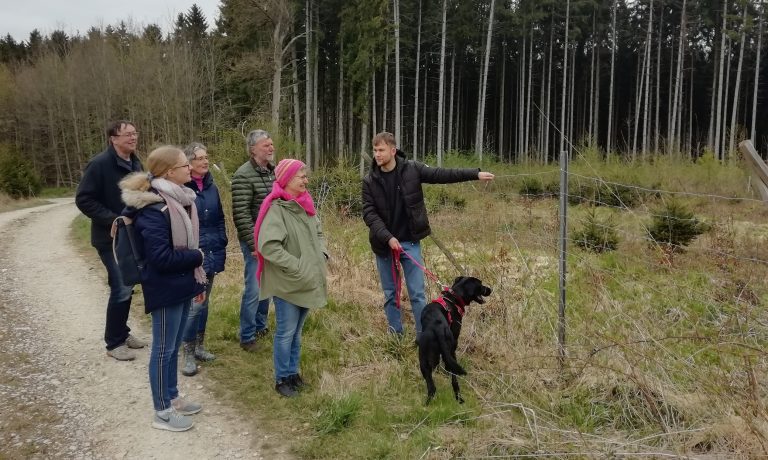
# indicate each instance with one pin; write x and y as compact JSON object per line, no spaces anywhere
{"x":441,"y":326}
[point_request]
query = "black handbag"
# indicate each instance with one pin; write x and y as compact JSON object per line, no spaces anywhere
{"x":126,"y":251}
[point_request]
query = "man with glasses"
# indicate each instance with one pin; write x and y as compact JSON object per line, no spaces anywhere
{"x":251,"y":183}
{"x":98,"y":197}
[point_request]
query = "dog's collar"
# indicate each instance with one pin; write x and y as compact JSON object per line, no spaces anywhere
{"x":455,"y":301}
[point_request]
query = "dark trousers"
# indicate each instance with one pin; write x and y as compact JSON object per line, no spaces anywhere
{"x":119,"y":304}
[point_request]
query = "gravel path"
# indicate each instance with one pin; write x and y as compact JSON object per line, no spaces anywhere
{"x":60,"y":395}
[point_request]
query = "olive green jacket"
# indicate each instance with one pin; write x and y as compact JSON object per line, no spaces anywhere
{"x":293,"y":248}
{"x":250,"y":185}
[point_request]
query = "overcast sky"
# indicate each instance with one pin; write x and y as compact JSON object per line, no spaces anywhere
{"x":20,"y":17}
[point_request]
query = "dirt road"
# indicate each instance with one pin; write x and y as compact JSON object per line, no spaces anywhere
{"x":60,"y":395}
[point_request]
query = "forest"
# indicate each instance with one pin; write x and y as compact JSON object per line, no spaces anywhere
{"x":516,"y":81}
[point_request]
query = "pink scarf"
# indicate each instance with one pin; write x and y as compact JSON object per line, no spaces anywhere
{"x":284,"y":172}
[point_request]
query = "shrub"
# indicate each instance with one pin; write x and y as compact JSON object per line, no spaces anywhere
{"x":437,"y":198}
{"x":339,"y":189}
{"x":17,"y":176}
{"x":596,"y":235}
{"x":675,"y":226}
{"x":531,"y":187}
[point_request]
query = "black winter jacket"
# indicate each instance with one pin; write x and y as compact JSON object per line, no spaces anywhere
{"x":98,"y":196}
{"x":411,"y":175}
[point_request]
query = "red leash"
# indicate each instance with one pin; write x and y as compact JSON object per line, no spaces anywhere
{"x":397,"y":267}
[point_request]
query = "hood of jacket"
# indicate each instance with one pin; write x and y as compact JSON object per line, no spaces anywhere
{"x":400,"y":158}
{"x":139,"y":199}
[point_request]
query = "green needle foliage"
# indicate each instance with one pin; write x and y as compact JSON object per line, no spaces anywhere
{"x":675,"y":226}
{"x":596,"y":234}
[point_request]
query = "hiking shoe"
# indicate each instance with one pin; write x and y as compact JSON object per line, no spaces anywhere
{"x":296,"y":382}
{"x":200,"y":352}
{"x":261,"y":334}
{"x":171,"y":420}
{"x":249,"y":346}
{"x":122,"y":353}
{"x":188,"y":356}
{"x":285,"y":389}
{"x":134,"y":342}
{"x":184,"y":407}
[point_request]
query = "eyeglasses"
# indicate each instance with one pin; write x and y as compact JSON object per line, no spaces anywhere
{"x":181,"y":166}
{"x":133,"y":134}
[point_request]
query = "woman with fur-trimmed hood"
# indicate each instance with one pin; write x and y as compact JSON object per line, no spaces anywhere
{"x":166,"y":223}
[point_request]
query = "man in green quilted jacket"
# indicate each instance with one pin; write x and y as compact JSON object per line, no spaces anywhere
{"x":250,"y":184}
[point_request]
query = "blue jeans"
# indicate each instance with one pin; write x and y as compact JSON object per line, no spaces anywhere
{"x":198,"y":314}
{"x":414,"y":281}
{"x":119,"y":304}
{"x":167,"y":326}
{"x":253,"y":314}
{"x":286,"y":351}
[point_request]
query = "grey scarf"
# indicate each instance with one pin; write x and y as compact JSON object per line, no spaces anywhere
{"x":185,"y":228}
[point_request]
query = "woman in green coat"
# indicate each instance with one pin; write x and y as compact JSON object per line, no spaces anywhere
{"x":291,"y":269}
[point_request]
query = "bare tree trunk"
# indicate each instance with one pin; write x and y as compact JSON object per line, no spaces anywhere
{"x":674,"y":138}
{"x":424,"y":114}
{"x":278,"y":36}
{"x":610,"y":90}
{"x":450,"y":104}
{"x":340,"y":106}
{"x":647,"y":82}
{"x":757,"y":75}
{"x":365,"y":141}
{"x":719,"y":109}
{"x":528,"y":104}
{"x":565,"y":75}
{"x":571,"y":96}
{"x":726,"y":90}
{"x":735,"y":107}
{"x":416,"y":90}
{"x":315,"y":106}
{"x":547,"y":110}
{"x":385,"y":90}
{"x":520,"y":150}
{"x":296,"y":101}
{"x":481,"y":103}
{"x":502,"y":102}
{"x":308,"y":84}
{"x":657,"y":132}
{"x":398,"y":102}
{"x":592,"y":83}
{"x":374,"y":113}
{"x":441,"y":90}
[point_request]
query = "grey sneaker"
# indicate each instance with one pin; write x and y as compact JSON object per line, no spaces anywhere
{"x":133,"y":342}
{"x":121,"y":353}
{"x":185,"y":407}
{"x":171,"y":420}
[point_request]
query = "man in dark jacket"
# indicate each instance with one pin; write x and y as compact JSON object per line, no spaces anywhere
{"x":395,"y":213}
{"x":98,"y":197}
{"x":251,"y":183}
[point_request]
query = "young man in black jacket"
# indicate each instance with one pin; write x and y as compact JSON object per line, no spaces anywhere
{"x":395,"y":213}
{"x":98,"y":197}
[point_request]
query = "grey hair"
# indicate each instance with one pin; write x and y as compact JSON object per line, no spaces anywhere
{"x":192,"y":148}
{"x":254,"y":137}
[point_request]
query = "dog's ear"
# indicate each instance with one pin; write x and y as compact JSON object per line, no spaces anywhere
{"x":458,"y":280}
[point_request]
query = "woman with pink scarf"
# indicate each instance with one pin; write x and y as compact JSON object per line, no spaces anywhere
{"x":291,"y":267}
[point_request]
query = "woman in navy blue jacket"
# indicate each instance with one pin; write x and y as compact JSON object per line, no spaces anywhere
{"x":213,"y":242}
{"x":165,"y":218}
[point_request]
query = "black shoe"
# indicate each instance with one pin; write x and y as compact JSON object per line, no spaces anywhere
{"x":250,"y":347}
{"x":285,"y":389}
{"x":296,"y":382}
{"x":261,"y":334}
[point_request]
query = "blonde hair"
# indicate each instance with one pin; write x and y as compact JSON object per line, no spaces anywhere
{"x":159,"y":162}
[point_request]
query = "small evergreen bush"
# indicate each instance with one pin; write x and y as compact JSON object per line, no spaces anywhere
{"x":596,"y":234}
{"x":531,"y":187}
{"x":437,"y":198}
{"x":17,"y":176}
{"x":675,"y":226}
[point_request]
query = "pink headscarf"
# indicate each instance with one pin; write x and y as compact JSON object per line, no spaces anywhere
{"x":284,"y":172}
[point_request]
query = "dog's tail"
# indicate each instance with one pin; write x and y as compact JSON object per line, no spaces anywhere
{"x":447,"y":354}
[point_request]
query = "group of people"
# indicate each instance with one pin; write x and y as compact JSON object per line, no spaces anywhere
{"x":177,"y":212}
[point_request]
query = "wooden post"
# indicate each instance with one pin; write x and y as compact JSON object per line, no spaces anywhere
{"x":758,"y":166}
